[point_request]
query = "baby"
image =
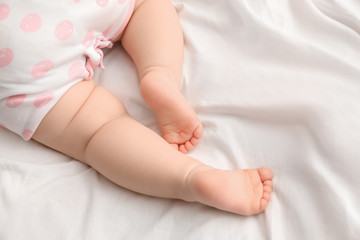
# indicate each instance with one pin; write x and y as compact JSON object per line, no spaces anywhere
{"x":47,"y":55}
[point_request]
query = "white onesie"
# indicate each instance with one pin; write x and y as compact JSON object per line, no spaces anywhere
{"x":48,"y":46}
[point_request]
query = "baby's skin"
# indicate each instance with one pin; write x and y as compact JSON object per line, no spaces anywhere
{"x":177,"y":120}
{"x":243,"y":191}
{"x":91,"y":125}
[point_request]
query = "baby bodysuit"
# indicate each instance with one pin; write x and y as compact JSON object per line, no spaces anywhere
{"x":48,"y":46}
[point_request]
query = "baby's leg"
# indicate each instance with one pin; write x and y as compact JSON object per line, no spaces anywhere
{"x":154,"y":40}
{"x":92,"y":125}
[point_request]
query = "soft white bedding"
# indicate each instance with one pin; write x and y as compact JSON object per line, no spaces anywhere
{"x":276,"y":83}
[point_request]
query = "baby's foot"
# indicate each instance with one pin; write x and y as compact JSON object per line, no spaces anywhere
{"x":179,"y":124}
{"x":244,"y":192}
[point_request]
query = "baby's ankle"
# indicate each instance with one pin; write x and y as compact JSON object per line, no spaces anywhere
{"x":191,"y":182}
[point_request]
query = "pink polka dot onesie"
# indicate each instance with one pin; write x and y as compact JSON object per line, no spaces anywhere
{"x":48,"y":46}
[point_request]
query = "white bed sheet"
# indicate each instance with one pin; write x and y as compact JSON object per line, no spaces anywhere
{"x":275,"y":83}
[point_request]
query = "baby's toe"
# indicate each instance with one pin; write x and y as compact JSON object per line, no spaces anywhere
{"x":263,"y":204}
{"x":195,"y":141}
{"x":189,"y":146}
{"x":267,"y":189}
{"x":182,"y":148}
{"x":267,"y":183}
{"x":198,"y":131}
{"x":266,"y":196}
{"x":265,"y":174}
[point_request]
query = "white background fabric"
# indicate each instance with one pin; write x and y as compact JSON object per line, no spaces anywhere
{"x":275,"y":83}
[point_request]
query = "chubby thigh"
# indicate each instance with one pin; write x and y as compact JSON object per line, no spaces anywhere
{"x":76,"y":117}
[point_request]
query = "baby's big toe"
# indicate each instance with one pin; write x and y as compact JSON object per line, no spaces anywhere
{"x":265,"y":174}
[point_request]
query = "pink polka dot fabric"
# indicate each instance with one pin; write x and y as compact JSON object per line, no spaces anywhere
{"x":48,"y":46}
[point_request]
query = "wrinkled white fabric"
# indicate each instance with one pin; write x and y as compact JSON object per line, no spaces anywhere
{"x":275,"y":83}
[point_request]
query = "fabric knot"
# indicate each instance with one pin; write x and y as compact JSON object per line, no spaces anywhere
{"x":94,"y":55}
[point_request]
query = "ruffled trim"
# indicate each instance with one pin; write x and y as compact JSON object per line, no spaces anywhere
{"x":94,"y":55}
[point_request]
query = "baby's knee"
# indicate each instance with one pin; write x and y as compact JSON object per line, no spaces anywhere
{"x":76,"y":118}
{"x":100,"y":108}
